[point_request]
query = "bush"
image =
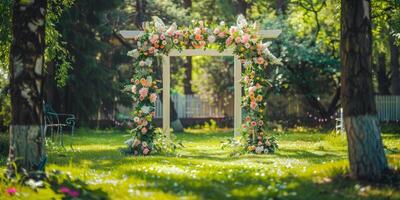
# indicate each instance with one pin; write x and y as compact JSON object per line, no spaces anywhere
{"x":4,"y":144}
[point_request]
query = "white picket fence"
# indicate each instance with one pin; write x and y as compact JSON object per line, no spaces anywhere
{"x":191,"y":106}
{"x":388,"y":107}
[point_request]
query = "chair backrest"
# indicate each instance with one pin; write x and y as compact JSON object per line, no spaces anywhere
{"x":47,"y":109}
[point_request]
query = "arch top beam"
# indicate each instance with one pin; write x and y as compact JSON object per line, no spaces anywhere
{"x":266,"y":34}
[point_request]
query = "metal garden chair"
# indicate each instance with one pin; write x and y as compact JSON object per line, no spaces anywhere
{"x":57,"y":121}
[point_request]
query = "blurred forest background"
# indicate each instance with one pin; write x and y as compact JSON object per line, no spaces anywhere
{"x":87,"y":67}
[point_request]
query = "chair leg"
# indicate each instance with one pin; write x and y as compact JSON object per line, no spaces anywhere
{"x":62,"y":137}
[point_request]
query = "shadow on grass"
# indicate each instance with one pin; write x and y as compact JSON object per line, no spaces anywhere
{"x":245,"y":186}
{"x":309,"y":156}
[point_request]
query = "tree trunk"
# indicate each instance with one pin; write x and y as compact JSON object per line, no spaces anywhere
{"x":187,"y":82}
{"x":241,"y":7}
{"x":281,"y":6}
{"x":366,"y":155}
{"x":26,"y":78}
{"x":395,"y":66}
{"x":383,"y":79}
{"x":140,"y":13}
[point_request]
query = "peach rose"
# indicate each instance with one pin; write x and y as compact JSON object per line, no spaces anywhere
{"x":253,"y":105}
{"x":153,"y":97}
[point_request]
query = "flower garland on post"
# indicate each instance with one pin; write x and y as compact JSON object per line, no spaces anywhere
{"x":159,"y":40}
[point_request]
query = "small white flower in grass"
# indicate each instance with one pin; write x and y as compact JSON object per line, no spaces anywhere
{"x":34,"y":184}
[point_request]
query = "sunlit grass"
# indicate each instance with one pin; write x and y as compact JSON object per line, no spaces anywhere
{"x":306,"y":166}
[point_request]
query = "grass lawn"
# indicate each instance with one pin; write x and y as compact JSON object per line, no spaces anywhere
{"x":307,"y":166}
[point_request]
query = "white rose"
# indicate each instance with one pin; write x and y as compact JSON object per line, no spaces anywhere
{"x":211,"y":39}
{"x":148,"y":61}
{"x":134,"y":53}
{"x":145,"y":109}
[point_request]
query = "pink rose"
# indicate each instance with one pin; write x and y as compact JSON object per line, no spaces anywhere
{"x":237,"y":39}
{"x":151,"y":50}
{"x":153,"y":97}
{"x":197,"y":31}
{"x":233,"y":30}
{"x":144,"y":130}
{"x":162,"y":37}
{"x":146,"y":151}
{"x":244,"y":126}
{"x":144,"y":92}
{"x":216,"y":31}
{"x":170,"y":33}
{"x":252,"y":89}
{"x":245,"y":38}
{"x":221,"y":34}
{"x":253,"y":105}
{"x":228,"y":41}
{"x":253,"y":123}
{"x":260,"y":60}
{"x":154,"y":38}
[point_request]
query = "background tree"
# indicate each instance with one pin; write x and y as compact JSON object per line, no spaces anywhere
{"x":366,"y":155}
{"x":26,"y":84}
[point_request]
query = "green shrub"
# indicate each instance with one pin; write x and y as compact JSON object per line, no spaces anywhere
{"x":4,"y":144}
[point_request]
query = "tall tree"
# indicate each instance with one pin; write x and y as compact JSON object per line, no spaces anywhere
{"x":26,"y":80}
{"x":395,"y":66}
{"x":187,"y":81}
{"x":382,"y":75}
{"x":366,"y":155}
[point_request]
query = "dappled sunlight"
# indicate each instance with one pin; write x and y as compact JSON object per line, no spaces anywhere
{"x":202,"y":170}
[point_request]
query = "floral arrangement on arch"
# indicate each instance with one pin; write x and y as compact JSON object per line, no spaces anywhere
{"x":158,"y":39}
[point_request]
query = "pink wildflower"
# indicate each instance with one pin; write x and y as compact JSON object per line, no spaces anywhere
{"x":73,"y":193}
{"x":11,"y":191}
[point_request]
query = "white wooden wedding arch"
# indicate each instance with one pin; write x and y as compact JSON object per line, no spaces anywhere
{"x":166,"y":75}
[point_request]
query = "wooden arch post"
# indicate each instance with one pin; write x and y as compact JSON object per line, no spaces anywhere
{"x":166,"y":76}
